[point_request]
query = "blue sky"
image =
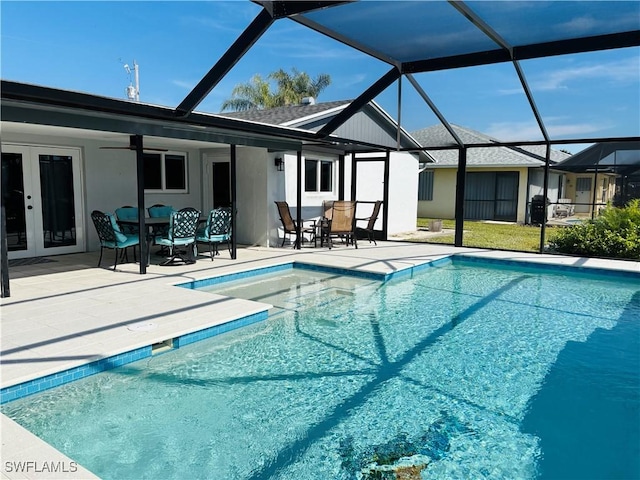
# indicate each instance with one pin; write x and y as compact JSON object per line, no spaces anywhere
{"x":84,"y":45}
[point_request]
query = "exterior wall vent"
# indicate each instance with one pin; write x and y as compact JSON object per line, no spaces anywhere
{"x":308,"y":101}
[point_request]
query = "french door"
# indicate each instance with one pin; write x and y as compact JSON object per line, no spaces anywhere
{"x":42,"y":192}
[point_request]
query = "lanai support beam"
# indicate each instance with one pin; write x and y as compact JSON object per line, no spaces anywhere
{"x":242,"y":44}
{"x":299,"y":200}
{"x":355,"y":106}
{"x":234,"y":194}
{"x":136,"y":142}
{"x":460,"y":185}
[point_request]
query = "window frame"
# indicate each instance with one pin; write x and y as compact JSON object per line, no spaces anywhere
{"x":319,"y":161}
{"x":425,"y":187}
{"x":163,"y":172}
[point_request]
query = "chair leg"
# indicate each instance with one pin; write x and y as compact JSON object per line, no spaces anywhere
{"x":116,"y":259}
{"x":211,"y":250}
{"x":100,"y":259}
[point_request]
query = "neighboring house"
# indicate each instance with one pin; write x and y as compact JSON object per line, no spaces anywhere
{"x":613,"y":168}
{"x":57,"y":175}
{"x":500,"y":182}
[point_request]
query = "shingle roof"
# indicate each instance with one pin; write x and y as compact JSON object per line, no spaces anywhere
{"x":286,"y":114}
{"x":526,"y":156}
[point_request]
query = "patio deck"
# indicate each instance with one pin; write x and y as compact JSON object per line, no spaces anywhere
{"x":67,"y":312}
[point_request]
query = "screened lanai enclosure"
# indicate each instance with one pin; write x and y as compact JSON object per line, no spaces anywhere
{"x":568,"y":70}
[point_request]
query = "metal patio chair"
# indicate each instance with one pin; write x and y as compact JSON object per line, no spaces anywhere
{"x":216,"y":230}
{"x":289,"y":225}
{"x":371,"y":221}
{"x":112,"y":237}
{"x":181,"y":236}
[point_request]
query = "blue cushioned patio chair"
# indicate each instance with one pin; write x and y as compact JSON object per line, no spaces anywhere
{"x":217,"y":230}
{"x":112,"y":237}
{"x":128,"y":213}
{"x":160,"y":210}
{"x":181,"y":236}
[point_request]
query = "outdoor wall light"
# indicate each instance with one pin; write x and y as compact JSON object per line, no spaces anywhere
{"x":279,"y":164}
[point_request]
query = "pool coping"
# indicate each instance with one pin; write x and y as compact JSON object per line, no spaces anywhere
{"x":36,"y":385}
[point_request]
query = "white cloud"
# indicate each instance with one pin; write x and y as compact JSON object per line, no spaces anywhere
{"x":614,"y":72}
{"x":618,"y":72}
{"x":183,"y":84}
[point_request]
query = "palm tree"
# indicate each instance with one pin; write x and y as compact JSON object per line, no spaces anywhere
{"x":291,"y":89}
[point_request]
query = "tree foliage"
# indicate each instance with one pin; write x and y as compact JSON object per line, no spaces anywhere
{"x":291,"y":88}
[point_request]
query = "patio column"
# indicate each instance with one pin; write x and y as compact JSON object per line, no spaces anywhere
{"x":545,"y":192}
{"x":136,"y":140}
{"x":354,"y":175}
{"x":4,"y":253}
{"x":341,"y":177}
{"x":234,"y":208}
{"x":385,"y":196}
{"x":299,"y":200}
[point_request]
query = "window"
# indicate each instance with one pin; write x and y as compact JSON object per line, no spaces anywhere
{"x":165,"y":172}
{"x":425,"y":185}
{"x":318,"y":176}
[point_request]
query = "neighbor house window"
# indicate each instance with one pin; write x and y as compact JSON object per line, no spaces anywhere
{"x":165,"y":172}
{"x":425,"y":185}
{"x":318,"y":176}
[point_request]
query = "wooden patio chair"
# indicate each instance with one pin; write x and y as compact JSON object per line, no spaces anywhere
{"x":289,"y":225}
{"x":343,"y":222}
{"x":371,"y":221}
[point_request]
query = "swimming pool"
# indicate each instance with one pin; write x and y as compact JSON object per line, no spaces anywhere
{"x":487,"y":371}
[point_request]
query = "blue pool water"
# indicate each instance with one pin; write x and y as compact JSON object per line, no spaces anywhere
{"x":477,"y":370}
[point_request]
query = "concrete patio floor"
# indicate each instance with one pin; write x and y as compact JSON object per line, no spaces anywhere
{"x":67,"y":312}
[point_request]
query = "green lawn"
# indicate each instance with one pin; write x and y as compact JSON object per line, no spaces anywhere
{"x":524,"y":238}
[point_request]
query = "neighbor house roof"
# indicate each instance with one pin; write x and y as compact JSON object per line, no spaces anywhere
{"x":498,"y":156}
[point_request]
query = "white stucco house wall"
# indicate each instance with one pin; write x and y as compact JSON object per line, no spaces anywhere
{"x":189,"y":174}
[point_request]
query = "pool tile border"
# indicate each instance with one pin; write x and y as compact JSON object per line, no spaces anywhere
{"x":539,"y":266}
{"x":15,"y":392}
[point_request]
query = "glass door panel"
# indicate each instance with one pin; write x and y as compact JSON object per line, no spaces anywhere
{"x":14,"y":201}
{"x":58,"y":200}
